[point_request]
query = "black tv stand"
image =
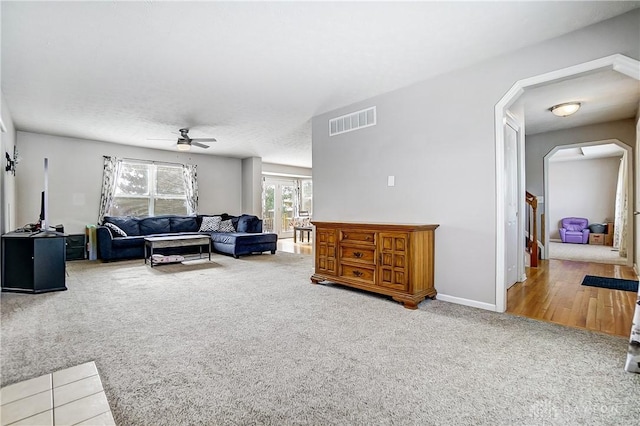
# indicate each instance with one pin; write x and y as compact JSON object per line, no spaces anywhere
{"x":33,"y":262}
{"x":48,"y":232}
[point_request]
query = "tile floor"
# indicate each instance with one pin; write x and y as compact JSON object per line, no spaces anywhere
{"x":73,"y":396}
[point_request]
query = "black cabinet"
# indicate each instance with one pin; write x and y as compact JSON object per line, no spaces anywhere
{"x":76,"y":247}
{"x":33,"y":263}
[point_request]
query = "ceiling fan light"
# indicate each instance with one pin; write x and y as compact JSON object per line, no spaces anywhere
{"x":183,"y":146}
{"x":566,"y":109}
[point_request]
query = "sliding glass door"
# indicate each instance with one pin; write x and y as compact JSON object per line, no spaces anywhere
{"x":278,"y":206}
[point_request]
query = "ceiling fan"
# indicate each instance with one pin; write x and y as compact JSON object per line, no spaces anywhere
{"x":185,"y":142}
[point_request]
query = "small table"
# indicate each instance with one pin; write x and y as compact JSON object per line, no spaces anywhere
{"x":302,"y":230}
{"x":152,"y":243}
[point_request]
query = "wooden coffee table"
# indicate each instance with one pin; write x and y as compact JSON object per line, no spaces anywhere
{"x":151,"y":243}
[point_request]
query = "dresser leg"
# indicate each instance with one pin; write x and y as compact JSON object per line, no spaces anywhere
{"x":409,"y":303}
{"x":315,"y":279}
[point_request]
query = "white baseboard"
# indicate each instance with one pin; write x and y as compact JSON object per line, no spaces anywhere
{"x":466,"y":302}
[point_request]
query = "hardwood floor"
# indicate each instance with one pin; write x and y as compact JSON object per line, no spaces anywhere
{"x":287,"y":245}
{"x":553,"y":292}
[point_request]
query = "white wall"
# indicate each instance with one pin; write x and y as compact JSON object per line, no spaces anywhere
{"x":585,"y":188}
{"x":75,"y":178}
{"x":7,"y":180}
{"x":437,"y":138}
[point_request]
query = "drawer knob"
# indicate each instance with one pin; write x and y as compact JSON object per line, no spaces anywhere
{"x":357,"y":255}
{"x":357,"y":273}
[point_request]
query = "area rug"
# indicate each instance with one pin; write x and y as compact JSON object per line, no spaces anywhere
{"x":612,"y":283}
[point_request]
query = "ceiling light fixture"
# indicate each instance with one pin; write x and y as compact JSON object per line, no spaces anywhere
{"x":563,"y":110}
{"x":183,"y":145}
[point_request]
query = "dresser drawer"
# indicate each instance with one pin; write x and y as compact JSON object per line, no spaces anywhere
{"x":360,"y":255}
{"x":357,"y":272}
{"x":362,"y":237}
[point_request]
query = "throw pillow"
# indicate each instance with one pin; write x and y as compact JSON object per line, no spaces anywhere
{"x":210,"y":223}
{"x":247,"y":223}
{"x":129,"y":224}
{"x":226,"y":226}
{"x":115,"y":230}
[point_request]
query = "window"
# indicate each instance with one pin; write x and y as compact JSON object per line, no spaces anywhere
{"x":147,"y":189}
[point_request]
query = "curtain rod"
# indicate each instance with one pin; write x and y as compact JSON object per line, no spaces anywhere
{"x":144,"y":161}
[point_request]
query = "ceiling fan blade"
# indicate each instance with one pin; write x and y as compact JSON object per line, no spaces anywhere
{"x":205,"y":139}
{"x":201,"y":145}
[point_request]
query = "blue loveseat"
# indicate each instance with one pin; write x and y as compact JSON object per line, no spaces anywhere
{"x":122,"y":237}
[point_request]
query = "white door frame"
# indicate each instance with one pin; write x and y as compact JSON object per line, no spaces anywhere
{"x":629,"y":189}
{"x":618,"y":62}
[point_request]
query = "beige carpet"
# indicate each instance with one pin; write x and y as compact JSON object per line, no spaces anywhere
{"x":251,"y":341}
{"x":586,"y":253}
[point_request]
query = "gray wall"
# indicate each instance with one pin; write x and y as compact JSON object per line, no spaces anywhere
{"x":252,"y":186}
{"x":284,"y":170}
{"x":437,"y":138}
{"x":539,"y":145}
{"x":583,"y":188}
{"x":75,"y":178}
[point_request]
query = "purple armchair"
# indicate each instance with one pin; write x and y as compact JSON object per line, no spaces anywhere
{"x":574,"y":230}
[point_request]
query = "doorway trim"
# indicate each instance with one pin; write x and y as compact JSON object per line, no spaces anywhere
{"x":629,"y":190}
{"x":622,"y":64}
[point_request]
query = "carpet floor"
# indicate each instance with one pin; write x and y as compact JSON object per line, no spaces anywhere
{"x":585,"y":253}
{"x":251,"y":341}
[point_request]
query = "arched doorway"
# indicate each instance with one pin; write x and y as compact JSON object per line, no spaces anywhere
{"x":619,"y":63}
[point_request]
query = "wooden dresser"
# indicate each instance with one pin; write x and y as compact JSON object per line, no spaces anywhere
{"x":395,"y":260}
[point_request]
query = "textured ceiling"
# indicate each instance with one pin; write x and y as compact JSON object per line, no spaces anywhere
{"x":249,"y":74}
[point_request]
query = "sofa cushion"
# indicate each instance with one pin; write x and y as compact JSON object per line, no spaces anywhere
{"x":115,"y":230}
{"x":574,"y":227}
{"x":129,"y":224}
{"x":128,"y":242}
{"x":154,"y":225}
{"x":226,"y":226}
{"x":238,"y":238}
{"x":247,"y":223}
{"x":183,"y":224}
{"x":210,"y":223}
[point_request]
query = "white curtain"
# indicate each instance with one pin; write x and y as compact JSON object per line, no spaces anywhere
{"x":189,"y":173}
{"x":620,"y":223}
{"x":109,"y":176}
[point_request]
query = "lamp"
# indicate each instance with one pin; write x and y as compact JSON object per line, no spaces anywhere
{"x":183,"y":145}
{"x":563,"y":110}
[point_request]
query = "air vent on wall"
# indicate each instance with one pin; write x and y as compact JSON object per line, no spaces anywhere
{"x":353,"y":121}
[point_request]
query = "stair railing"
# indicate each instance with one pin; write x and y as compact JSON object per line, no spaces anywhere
{"x":532,"y":240}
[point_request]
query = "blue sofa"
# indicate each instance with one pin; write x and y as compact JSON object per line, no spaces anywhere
{"x":247,"y":237}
